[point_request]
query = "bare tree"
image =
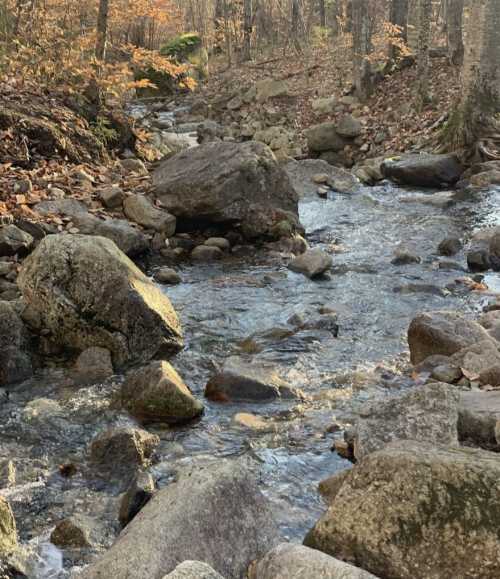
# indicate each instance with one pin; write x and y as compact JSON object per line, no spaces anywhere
{"x":247,"y":29}
{"x":424,"y":37}
{"x":322,"y":13}
{"x":295,"y":25}
{"x":454,"y":23}
{"x":361,"y":32}
{"x":399,"y":17}
{"x":474,"y":123}
{"x":102,"y":30}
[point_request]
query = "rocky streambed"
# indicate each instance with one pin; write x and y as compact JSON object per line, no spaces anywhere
{"x":306,"y":356}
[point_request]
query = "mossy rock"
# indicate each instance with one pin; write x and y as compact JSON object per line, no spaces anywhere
{"x":182,"y":47}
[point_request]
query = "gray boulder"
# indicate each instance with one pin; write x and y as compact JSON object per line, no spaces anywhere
{"x":426,"y":413}
{"x":324,"y":137}
{"x":424,"y":170}
{"x":479,"y":414}
{"x":239,"y":380}
{"x":313,"y":263}
{"x":302,"y":175}
{"x":236,"y":184}
{"x":139,"y":209}
{"x":287,"y":561}
{"x":442,"y":333}
{"x":14,"y":240}
{"x":413,"y":511}
{"x":350,"y":127}
{"x":83,"y":291}
{"x":214,"y":514}
{"x":193,"y":570}
{"x":15,"y":360}
{"x":157,"y":393}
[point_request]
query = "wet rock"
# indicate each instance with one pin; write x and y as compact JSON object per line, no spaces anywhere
{"x":228,"y":183}
{"x":221,"y":242}
{"x":313,"y":263}
{"x":450,"y":266}
{"x":329,"y":487}
{"x":130,"y":240}
{"x":134,"y":166}
{"x":251,"y":421}
{"x":139,"y":493}
{"x":139,"y":209}
{"x":206,"y":253}
{"x":485,"y":179}
{"x":423,"y":170}
{"x":87,"y":293}
{"x":478,"y":259}
{"x":405,"y":257}
{"x":15,"y":359}
{"x":450,"y":246}
{"x":112,"y":197}
{"x":442,"y":333}
{"x":348,"y":126}
{"x":193,"y":570}
{"x":479,"y":413}
{"x":324,"y":137}
{"x":288,"y":560}
{"x":215,"y":514}
{"x":494,"y":251}
{"x":157,"y":393}
{"x":414,"y":510}
{"x":239,"y":380}
{"x":8,"y":532}
{"x":302,"y":175}
{"x":94,"y":364}
{"x":168,"y":276}
{"x":421,"y":288}
{"x":120,"y":451}
{"x":73,"y":533}
{"x":426,"y":414}
{"x":14,"y":241}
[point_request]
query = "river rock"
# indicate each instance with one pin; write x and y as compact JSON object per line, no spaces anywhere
{"x":130,"y":240}
{"x":193,"y":570}
{"x":494,"y":251}
{"x":450,"y":246}
{"x":112,"y":197}
{"x":168,"y":276}
{"x":120,"y":451}
{"x":313,"y":263}
{"x":478,"y":259}
{"x":221,"y":242}
{"x":479,"y":413}
{"x":214,"y":514}
{"x":8,"y":532}
{"x":239,"y":381}
{"x":139,"y":209}
{"x":206,"y":253}
{"x":15,"y":360}
{"x":348,"y":126}
{"x":405,"y":257}
{"x":442,"y":333}
{"x":303,"y":173}
{"x":423,"y":170}
{"x":86,"y":293}
{"x":94,"y":364}
{"x":14,"y":241}
{"x":73,"y":533}
{"x":329,"y":487}
{"x":138,"y":494}
{"x":324,"y":137}
{"x":413,"y":511}
{"x":425,"y":413}
{"x":288,"y":560}
{"x":157,"y":393}
{"x":238,"y":184}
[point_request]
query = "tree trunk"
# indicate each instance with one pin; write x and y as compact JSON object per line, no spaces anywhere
{"x":361,"y":49}
{"x":424,"y":36}
{"x":322,"y":13}
{"x":454,"y":18}
{"x":247,"y":29}
{"x":102,"y":30}
{"x":474,"y":125}
{"x":399,"y":17}
{"x":295,"y":25}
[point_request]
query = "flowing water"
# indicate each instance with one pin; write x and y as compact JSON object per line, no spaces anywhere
{"x":240,"y":306}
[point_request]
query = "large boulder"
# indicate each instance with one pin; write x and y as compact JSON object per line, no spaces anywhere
{"x":214,"y":514}
{"x":479,"y":415}
{"x":8,"y":533}
{"x":288,"y":560}
{"x":15,"y":361}
{"x":324,"y":137}
{"x":424,"y":170}
{"x":428,"y":413}
{"x":83,"y":291}
{"x":239,"y":380}
{"x":442,"y":333}
{"x":157,"y":393}
{"x":234,"y":184}
{"x":139,"y":209}
{"x":413,"y":511}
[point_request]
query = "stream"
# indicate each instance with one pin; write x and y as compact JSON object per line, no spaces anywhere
{"x":241,"y":306}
